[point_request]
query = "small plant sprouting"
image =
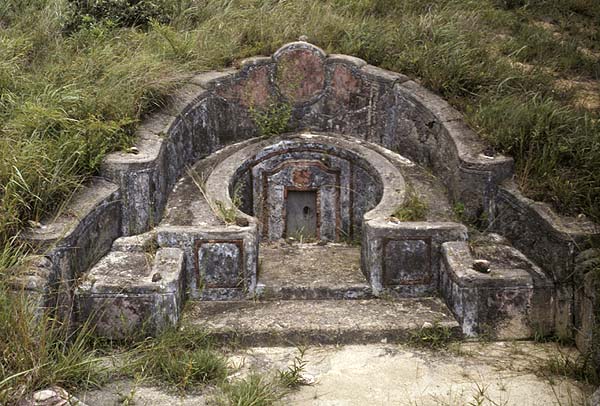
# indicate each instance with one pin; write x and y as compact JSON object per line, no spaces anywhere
{"x":580,"y":368}
{"x":226,"y":214}
{"x":413,"y":208}
{"x":459,"y":211}
{"x":292,"y":376}
{"x":272,"y":119}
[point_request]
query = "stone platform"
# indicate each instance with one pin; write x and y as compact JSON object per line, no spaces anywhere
{"x":304,"y":322}
{"x":310,"y":271}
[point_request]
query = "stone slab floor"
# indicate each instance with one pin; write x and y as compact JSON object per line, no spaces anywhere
{"x":310,"y":265}
{"x":502,"y":373}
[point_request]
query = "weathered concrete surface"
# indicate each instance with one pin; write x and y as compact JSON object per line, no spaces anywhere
{"x":205,"y":249}
{"x":587,"y":293}
{"x":351,"y":180}
{"x":513,"y":301}
{"x":502,"y":373}
{"x":187,"y":205}
{"x":75,"y":239}
{"x":486,"y":374}
{"x":295,"y":271}
{"x":318,"y":321}
{"x":132,"y":293}
{"x":551,"y":241}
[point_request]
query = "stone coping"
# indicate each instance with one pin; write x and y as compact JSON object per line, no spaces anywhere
{"x":221,"y":180}
{"x":128,"y":273}
{"x":459,"y":260}
{"x":62,"y":229}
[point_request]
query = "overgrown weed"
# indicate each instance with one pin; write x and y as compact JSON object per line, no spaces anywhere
{"x":37,"y":350}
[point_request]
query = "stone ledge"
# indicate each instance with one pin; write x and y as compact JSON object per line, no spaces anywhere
{"x":346,"y":59}
{"x":208,"y":80}
{"x":86,"y":203}
{"x":383,"y":76}
{"x":218,"y":243}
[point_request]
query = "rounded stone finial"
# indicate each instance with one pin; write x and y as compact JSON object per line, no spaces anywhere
{"x":303,"y":38}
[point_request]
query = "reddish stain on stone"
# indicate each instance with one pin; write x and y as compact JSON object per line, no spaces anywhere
{"x":301,"y":177}
{"x":300,"y":75}
{"x":252,"y":91}
{"x":349,"y":90}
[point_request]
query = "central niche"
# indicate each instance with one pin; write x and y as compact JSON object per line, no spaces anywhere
{"x":301,"y":215}
{"x":307,"y":191}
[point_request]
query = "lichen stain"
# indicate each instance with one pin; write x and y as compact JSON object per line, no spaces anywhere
{"x":252,"y":91}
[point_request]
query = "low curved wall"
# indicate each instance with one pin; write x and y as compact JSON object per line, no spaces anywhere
{"x":333,"y":93}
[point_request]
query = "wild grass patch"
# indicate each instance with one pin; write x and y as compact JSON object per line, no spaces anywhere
{"x":37,"y":351}
{"x":434,"y":337}
{"x":182,"y":359}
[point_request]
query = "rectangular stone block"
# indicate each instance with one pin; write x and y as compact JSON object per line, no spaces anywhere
{"x":403,"y":257}
{"x":220,"y":263}
{"x":513,"y":301}
{"x":407,"y":262}
{"x":128,"y":294}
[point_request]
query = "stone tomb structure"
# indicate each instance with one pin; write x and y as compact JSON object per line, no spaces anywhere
{"x":185,"y":216}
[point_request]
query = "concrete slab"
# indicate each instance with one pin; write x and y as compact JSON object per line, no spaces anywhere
{"x":502,"y":373}
{"x":295,"y":322}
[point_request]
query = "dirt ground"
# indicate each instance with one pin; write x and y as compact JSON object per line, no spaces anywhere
{"x":503,"y":373}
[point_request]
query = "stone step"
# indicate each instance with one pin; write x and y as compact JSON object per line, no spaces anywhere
{"x":319,"y":292}
{"x":309,"y":271}
{"x":310,"y":322}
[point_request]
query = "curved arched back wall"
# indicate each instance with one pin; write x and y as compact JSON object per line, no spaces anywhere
{"x":346,"y":187}
{"x":334,"y":93}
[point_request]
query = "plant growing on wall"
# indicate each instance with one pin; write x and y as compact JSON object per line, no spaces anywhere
{"x":413,"y":208}
{"x":272,"y":119}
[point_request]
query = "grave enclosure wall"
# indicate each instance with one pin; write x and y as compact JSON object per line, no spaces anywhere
{"x":326,"y":93}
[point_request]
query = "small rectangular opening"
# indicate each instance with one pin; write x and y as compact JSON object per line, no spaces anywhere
{"x":301,"y":214}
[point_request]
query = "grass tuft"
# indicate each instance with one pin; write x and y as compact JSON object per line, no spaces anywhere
{"x":254,"y":390}
{"x":182,"y":359}
{"x":414,"y":208}
{"x":37,"y":351}
{"x":432,"y":337}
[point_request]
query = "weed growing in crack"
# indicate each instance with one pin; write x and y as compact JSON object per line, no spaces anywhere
{"x":432,"y":337}
{"x":292,"y":376}
{"x":414,"y":208}
{"x":272,"y":119}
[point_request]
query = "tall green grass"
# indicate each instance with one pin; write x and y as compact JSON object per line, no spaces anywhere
{"x":37,"y":351}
